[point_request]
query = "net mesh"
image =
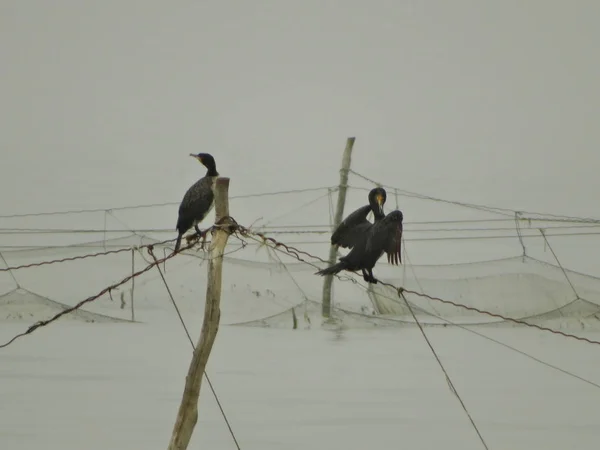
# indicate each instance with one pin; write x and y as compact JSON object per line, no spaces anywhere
{"x":264,"y":287}
{"x":521,"y":288}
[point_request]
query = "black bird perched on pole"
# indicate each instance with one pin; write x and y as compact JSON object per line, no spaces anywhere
{"x":199,"y":199}
{"x":384,"y":236}
{"x":353,"y":227}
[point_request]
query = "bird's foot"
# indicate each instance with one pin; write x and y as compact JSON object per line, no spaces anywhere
{"x":366,"y":276}
{"x":190,"y":241}
{"x":372,"y":279}
{"x":203,"y":241}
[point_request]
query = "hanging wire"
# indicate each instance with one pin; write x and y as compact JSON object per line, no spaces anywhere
{"x":518,"y":227}
{"x":10,"y":271}
{"x":296,"y":209}
{"x":559,"y":264}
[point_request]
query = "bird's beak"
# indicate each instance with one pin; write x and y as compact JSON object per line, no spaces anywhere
{"x":195,"y":156}
{"x":379,"y":200}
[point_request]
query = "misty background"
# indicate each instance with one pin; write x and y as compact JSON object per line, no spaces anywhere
{"x":492,"y":103}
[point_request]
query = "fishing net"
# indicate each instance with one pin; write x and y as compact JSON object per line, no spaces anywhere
{"x":265,"y":287}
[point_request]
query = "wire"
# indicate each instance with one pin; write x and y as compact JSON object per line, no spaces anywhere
{"x":487,"y":313}
{"x":107,"y":289}
{"x":153,"y":205}
{"x":262,"y":239}
{"x":448,"y":379}
{"x":405,"y":193}
{"x":272,"y":229}
{"x":491,"y":209}
{"x":21,"y":248}
{"x":462,"y":327}
{"x":559,"y":263}
{"x":73,"y":258}
{"x":296,"y":209}
{"x":295,"y":253}
{"x":465,"y":328}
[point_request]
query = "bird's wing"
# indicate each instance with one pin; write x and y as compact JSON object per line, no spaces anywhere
{"x":386,"y":236}
{"x":393,"y":246}
{"x":200,"y":195}
{"x":196,"y":202}
{"x":352,"y":229}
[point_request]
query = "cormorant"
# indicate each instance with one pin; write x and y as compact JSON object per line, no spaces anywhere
{"x":354,"y":226}
{"x":384,"y":236}
{"x":199,"y":199}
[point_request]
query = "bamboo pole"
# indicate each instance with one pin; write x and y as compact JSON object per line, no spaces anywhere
{"x":337,"y":219}
{"x":188,"y":409}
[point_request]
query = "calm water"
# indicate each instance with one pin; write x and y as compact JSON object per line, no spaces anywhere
{"x":72,"y":386}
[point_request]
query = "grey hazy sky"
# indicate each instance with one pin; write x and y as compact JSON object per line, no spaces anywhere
{"x":493,"y":102}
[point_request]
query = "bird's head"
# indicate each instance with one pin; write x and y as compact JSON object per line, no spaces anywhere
{"x":204,"y":158}
{"x":207,"y":160}
{"x":377,"y":198}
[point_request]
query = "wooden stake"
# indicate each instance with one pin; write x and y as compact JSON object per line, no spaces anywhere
{"x":132,"y":283}
{"x":188,"y":410}
{"x":337,"y":219}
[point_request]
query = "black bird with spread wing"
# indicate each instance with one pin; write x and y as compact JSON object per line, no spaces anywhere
{"x":199,"y":199}
{"x":384,"y":236}
{"x":353,"y":227}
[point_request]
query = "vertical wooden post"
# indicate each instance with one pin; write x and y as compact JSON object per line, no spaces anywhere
{"x":132,"y":283}
{"x":188,"y":410}
{"x":339,"y":213}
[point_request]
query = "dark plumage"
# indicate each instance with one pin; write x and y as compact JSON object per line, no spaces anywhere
{"x":199,"y":199}
{"x":384,"y":236}
{"x":353,"y":227}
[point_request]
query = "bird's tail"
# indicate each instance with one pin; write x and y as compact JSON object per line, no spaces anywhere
{"x":178,"y":243}
{"x":332,"y":270}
